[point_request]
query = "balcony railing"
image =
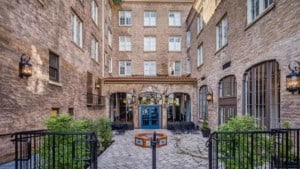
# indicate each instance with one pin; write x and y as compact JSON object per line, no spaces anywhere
{"x":95,"y":100}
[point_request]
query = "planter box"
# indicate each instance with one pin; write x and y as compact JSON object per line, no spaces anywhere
{"x":205,"y":132}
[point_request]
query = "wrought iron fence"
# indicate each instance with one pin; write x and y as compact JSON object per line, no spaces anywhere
{"x":55,"y":150}
{"x":277,"y":148}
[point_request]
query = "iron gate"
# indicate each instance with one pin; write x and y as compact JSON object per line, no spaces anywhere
{"x":55,"y":150}
{"x":277,"y":148}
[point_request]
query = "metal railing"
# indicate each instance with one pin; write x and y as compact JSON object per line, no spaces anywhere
{"x":95,"y":100}
{"x":277,"y":148}
{"x":55,"y":150}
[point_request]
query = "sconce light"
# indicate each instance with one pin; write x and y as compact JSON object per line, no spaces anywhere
{"x":293,"y":79}
{"x":209,"y":95}
{"x":97,"y":86}
{"x":133,"y":99}
{"x":166,"y":99}
{"x":25,"y":68}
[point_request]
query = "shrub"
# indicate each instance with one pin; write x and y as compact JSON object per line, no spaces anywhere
{"x":104,"y":132}
{"x":244,"y":150}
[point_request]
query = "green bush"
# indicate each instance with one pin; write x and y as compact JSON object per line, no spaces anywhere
{"x":104,"y":132}
{"x":244,"y":150}
{"x":59,"y":150}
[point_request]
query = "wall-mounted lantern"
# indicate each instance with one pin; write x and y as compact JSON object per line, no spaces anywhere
{"x":97,"y":85}
{"x":209,"y":95}
{"x":293,"y":79}
{"x":25,"y":68}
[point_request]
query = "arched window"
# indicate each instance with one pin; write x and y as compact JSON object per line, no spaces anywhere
{"x":262,"y":93}
{"x":121,"y":107}
{"x":203,"y":103}
{"x":227,"y":99}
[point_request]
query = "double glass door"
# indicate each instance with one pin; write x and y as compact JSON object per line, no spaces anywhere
{"x":150,"y":116}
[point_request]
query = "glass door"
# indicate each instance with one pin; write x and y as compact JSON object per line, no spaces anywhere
{"x":150,"y":117}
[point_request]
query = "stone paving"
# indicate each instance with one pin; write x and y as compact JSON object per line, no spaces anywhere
{"x":184,"y":151}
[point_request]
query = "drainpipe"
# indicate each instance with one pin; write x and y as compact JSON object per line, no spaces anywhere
{"x":103,"y":36}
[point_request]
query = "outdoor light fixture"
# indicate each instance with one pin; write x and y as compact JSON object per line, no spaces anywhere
{"x":209,"y":95}
{"x":293,"y":79}
{"x":97,"y":86}
{"x":25,"y":68}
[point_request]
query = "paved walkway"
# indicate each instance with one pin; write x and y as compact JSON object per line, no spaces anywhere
{"x":184,"y":151}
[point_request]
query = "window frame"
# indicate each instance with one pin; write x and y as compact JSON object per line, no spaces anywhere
{"x":203,"y":104}
{"x":150,"y":20}
{"x":173,"y":21}
{"x":252,"y":13}
{"x":199,"y":23}
{"x":175,"y":46}
{"x":127,"y":67}
{"x":127,"y":18}
{"x":109,"y":38}
{"x":188,"y":38}
{"x":125,"y":45}
{"x":94,"y":49}
{"x":151,"y":70}
{"x":52,"y":67}
{"x":222,"y":33}
{"x":75,"y":21}
{"x":149,"y":43}
{"x":173,"y":66}
{"x":94,"y":11}
{"x":200,"y":59}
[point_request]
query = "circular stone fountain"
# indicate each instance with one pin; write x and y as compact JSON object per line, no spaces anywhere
{"x":144,"y":139}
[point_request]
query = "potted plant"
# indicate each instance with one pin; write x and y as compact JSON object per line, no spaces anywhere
{"x":205,"y":129}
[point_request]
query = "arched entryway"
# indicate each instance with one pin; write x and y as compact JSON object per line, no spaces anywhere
{"x":121,"y":107}
{"x":178,"y":107}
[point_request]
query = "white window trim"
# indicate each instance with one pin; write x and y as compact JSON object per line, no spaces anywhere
{"x":222,"y":33}
{"x":94,"y":49}
{"x":151,"y":70}
{"x":200,"y":55}
{"x":127,"y":18}
{"x":126,"y":44}
{"x":199,"y":23}
{"x":127,"y":69}
{"x":76,"y":23}
{"x":176,"y":19}
{"x":250,"y":9}
{"x":175,"y":46}
{"x":172,"y":68}
{"x":150,"y":20}
{"x":94,"y":11}
{"x":150,"y":43}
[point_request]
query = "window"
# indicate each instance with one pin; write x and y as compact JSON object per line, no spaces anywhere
{"x":256,"y":7}
{"x":175,"y":68}
{"x":188,"y":66}
{"x":199,"y":23}
{"x":262,"y":93}
{"x":125,"y":68}
{"x":178,"y":107}
{"x":125,"y":18}
{"x":200,"y":55}
{"x":150,"y":68}
{"x":188,"y":39}
{"x":174,"y":18}
{"x":124,"y":43}
{"x":227,"y":99}
{"x":150,"y":18}
{"x":150,"y":43}
{"x":110,"y":65}
{"x":109,"y":11}
{"x":174,"y":43}
{"x":203,"y":108}
{"x":53,"y":67}
{"x":94,"y":11}
{"x":94,"y":49}
{"x":71,"y":111}
{"x":109,"y":38}
{"x":54,"y":112}
{"x":76,"y":30}
{"x":221,"y":33}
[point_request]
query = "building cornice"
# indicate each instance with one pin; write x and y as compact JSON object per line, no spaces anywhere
{"x":150,"y":79}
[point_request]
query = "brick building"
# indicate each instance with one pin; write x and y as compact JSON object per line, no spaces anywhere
{"x":148,"y":63}
{"x":240,"y":52}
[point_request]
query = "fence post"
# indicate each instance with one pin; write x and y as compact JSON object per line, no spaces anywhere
{"x":210,"y":153}
{"x":252,"y":146}
{"x":153,"y":144}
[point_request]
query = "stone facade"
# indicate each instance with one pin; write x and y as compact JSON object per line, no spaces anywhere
{"x":274,"y":35}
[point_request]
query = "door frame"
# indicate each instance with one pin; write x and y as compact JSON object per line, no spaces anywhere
{"x":153,"y":105}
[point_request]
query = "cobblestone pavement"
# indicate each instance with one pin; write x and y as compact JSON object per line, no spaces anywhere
{"x":184,"y":151}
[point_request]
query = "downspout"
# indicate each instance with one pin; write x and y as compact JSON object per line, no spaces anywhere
{"x":103,"y":37}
